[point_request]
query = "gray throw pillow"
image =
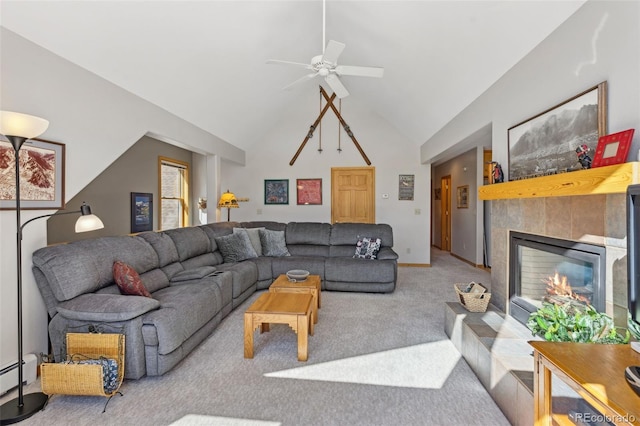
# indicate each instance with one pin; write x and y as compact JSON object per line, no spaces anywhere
{"x":273,"y":243}
{"x":235,"y":247}
{"x":254,"y":236}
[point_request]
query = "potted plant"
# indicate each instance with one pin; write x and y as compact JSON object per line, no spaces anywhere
{"x":570,"y":322}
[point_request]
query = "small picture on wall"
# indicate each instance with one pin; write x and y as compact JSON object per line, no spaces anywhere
{"x":437,"y":194}
{"x":405,"y":187}
{"x":141,"y":212}
{"x":309,"y":191}
{"x":463,"y":197}
{"x":276,"y":191}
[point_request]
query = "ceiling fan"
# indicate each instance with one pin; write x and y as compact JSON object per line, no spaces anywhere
{"x":326,"y":65}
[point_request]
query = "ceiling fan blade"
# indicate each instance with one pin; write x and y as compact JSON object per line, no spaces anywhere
{"x":336,"y":85}
{"x":301,"y":79}
{"x":332,"y":51}
{"x":359,"y":71}
{"x":298,"y":64}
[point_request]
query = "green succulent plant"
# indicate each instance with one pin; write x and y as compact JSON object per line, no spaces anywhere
{"x":569,"y":323}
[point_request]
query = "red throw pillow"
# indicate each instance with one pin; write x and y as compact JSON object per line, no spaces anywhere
{"x":128,"y":280}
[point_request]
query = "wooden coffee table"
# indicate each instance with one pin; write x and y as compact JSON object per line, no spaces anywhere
{"x":292,"y":309}
{"x":309,"y":286}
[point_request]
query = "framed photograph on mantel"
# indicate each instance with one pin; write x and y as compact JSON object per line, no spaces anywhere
{"x":613,"y":149}
{"x":41,"y":175}
{"x":309,"y":191}
{"x":141,"y":212}
{"x":555,"y":140}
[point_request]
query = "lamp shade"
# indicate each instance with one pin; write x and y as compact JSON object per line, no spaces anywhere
{"x":228,"y":200}
{"x":21,"y":125}
{"x":88,"y":221}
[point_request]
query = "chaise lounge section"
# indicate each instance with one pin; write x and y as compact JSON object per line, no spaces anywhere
{"x":194,"y":282}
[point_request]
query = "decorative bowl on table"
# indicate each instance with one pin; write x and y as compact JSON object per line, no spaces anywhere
{"x":297,"y":275}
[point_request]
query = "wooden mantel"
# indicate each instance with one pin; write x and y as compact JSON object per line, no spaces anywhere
{"x":601,"y":180}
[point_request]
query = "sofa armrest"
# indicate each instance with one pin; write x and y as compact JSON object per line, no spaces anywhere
{"x":193,"y":274}
{"x":106,"y":307}
{"x":387,"y":253}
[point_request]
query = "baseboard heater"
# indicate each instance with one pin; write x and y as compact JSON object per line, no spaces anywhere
{"x":9,"y":373}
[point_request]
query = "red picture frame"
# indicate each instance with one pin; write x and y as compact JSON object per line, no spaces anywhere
{"x":309,"y":191}
{"x":613,"y":149}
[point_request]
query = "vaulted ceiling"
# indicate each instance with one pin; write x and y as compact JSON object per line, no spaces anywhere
{"x":205,"y":61}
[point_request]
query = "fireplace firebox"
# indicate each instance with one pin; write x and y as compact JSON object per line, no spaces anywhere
{"x":545,"y":269}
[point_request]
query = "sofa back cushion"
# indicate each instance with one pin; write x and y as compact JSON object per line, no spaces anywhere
{"x":308,"y":233}
{"x":345,"y":236}
{"x":86,"y":266}
{"x":190,"y":242}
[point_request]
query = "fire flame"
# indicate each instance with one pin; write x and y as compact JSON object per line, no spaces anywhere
{"x":559,"y":286}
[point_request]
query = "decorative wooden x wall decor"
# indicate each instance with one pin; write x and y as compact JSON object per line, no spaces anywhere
{"x":313,"y":127}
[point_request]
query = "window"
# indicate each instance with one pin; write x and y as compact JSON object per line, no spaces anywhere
{"x":174,"y":193}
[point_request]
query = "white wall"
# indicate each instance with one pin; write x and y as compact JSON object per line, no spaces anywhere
{"x":601,"y":41}
{"x":97,"y":122}
{"x":390,"y":153}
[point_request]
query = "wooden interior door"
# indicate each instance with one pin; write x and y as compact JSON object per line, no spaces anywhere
{"x":353,"y":194}
{"x":445,"y":221}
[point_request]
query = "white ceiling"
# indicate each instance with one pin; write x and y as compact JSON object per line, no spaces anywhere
{"x":205,"y":61}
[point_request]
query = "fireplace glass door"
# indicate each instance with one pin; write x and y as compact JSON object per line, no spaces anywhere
{"x":544,"y":269}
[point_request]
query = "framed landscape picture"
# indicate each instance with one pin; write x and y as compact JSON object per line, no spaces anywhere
{"x":309,"y":191}
{"x":551,"y":141}
{"x":463,"y":197}
{"x":276,"y":191}
{"x":41,"y":175}
{"x":141,"y":212}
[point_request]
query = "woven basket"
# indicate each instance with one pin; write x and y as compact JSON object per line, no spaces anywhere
{"x":83,"y":379}
{"x":473,"y":302}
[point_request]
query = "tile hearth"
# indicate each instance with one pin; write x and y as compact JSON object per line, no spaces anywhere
{"x":495,"y":347}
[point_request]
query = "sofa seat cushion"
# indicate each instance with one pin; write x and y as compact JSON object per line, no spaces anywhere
{"x":315,"y":265}
{"x":183,"y":310}
{"x":106,"y":307}
{"x":244,"y":275}
{"x":360,"y":270}
{"x":265,"y":271}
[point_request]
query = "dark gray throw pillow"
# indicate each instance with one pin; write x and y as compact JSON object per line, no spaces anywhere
{"x":273,"y":243}
{"x":235,"y":247}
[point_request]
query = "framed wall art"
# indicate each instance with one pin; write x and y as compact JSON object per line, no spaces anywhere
{"x":276,"y":191}
{"x":552,"y":141}
{"x":405,"y":187}
{"x":309,"y":191}
{"x":141,"y":212}
{"x":41,"y":175}
{"x":463,"y":197}
{"x":613,"y":149}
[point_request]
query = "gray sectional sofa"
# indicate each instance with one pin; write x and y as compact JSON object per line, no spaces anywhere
{"x":193,"y":286}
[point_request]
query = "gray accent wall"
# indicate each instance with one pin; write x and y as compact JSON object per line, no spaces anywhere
{"x":109,"y":194}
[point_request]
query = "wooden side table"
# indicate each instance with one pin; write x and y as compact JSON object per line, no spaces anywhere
{"x":280,"y":308}
{"x":309,"y":286}
{"x":593,"y":371}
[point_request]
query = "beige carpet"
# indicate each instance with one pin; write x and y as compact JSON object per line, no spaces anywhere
{"x":375,"y":359}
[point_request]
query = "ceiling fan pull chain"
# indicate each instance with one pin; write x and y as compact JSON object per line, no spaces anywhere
{"x":320,"y":126}
{"x":339,"y":130}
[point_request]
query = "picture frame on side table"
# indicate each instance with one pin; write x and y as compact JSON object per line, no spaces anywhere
{"x":463,"y":197}
{"x":276,"y":191}
{"x":613,"y":148}
{"x":548,"y":143}
{"x":41,"y":181}
{"x":309,"y":191}
{"x":141,"y":212}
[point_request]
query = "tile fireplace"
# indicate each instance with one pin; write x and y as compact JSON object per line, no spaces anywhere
{"x":553,"y":270}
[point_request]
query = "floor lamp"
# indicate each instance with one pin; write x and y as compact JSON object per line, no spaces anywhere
{"x":228,"y":200}
{"x":17,"y":128}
